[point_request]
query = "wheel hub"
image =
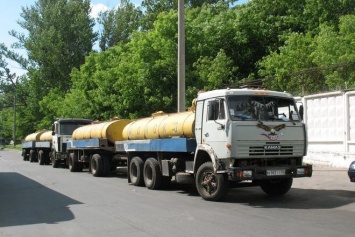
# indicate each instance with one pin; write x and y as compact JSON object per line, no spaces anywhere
{"x":209,"y":183}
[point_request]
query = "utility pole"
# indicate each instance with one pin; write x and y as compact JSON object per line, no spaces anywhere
{"x":181,"y":56}
{"x":14,"y":120}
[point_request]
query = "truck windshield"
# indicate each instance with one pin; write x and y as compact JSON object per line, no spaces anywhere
{"x":262,"y":108}
{"x":68,"y":128}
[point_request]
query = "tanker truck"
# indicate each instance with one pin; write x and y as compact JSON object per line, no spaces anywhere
{"x":230,"y":136}
{"x":50,"y":146}
{"x":37,"y":146}
{"x":62,"y":130}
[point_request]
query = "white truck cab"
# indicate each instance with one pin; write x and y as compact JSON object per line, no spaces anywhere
{"x":248,"y":135}
{"x":62,"y":130}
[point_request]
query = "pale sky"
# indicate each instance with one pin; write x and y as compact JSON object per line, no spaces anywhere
{"x":10,"y":14}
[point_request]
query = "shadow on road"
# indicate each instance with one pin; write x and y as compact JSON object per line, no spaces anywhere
{"x":295,"y":199}
{"x":25,"y":202}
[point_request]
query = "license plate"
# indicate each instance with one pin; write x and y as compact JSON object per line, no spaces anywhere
{"x":275,"y":172}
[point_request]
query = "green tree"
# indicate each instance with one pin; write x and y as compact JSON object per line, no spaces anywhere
{"x":335,"y":53}
{"x":60,"y":35}
{"x":215,"y":72}
{"x":154,"y":7}
{"x":119,"y":24}
{"x":319,"y":12}
{"x":282,"y":69}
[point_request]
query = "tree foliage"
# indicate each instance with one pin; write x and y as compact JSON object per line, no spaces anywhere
{"x":118,"y":24}
{"x":301,"y":46}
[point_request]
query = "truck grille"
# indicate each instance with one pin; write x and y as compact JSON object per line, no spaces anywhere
{"x":260,"y":151}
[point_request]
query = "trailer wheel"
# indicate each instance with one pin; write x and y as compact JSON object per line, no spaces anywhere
{"x":41,"y":160}
{"x":136,"y":171}
{"x":152,"y":174}
{"x":276,"y":187}
{"x":32,"y":155}
{"x":73,"y":162}
{"x":97,"y":165}
{"x":211,"y":186}
{"x":25,"y":155}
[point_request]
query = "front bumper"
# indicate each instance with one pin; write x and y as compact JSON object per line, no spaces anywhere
{"x":259,"y":173}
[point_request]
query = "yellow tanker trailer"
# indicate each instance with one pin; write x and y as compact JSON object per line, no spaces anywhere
{"x":161,"y":125}
{"x":95,"y":145}
{"x":36,"y":147}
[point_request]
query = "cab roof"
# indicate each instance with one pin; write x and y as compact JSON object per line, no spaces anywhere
{"x":246,"y":91}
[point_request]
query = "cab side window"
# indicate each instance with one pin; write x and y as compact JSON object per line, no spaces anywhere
{"x":216,"y":109}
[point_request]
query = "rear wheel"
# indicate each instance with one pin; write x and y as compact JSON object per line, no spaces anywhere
{"x":97,"y":166}
{"x":32,"y":155}
{"x":152,"y":174}
{"x":276,"y":187}
{"x":211,"y":186}
{"x":136,"y":171}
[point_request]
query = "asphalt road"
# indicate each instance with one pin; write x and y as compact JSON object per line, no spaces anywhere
{"x":42,"y":201}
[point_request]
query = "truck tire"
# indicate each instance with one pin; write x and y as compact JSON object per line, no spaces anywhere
{"x":55,"y":162}
{"x":97,"y":165}
{"x":276,"y":187}
{"x":211,"y":186}
{"x":152,"y":174}
{"x":41,"y":160}
{"x":136,"y":171}
{"x":73,"y":162}
{"x":25,"y":155}
{"x":32,"y":155}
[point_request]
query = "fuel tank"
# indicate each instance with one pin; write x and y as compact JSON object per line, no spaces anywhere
{"x":111,"y":130}
{"x":46,"y":136}
{"x":161,"y":125}
{"x":34,"y":137}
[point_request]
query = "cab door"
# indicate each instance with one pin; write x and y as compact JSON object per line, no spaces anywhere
{"x":214,"y":131}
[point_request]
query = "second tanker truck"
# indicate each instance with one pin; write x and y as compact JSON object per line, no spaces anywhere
{"x":254,"y":137}
{"x":49,"y":147}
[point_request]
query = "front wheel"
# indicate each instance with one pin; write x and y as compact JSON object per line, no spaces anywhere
{"x":211,"y":186}
{"x":55,"y":162}
{"x":276,"y":187}
{"x":73,"y":162}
